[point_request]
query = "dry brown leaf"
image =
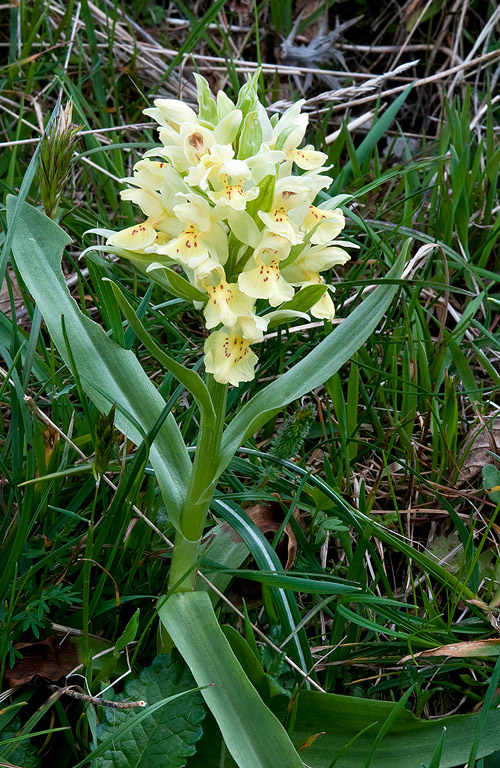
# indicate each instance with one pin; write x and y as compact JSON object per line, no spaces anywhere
{"x":268,"y":518}
{"x":51,"y":659}
{"x":475,"y":451}
{"x":460,"y":650}
{"x":244,"y":9}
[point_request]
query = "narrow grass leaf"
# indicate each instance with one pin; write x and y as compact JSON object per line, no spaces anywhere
{"x":267,"y":559}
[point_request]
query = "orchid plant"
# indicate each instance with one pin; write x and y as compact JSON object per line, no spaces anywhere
{"x":228,"y":200}
{"x":230,"y":223}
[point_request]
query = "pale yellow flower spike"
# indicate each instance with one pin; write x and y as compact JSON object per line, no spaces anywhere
{"x":198,"y":191}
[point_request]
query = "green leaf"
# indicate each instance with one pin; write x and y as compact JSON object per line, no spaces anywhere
{"x":365,"y":149}
{"x":407,"y":743}
{"x":163,"y":739}
{"x":25,"y":753}
{"x":247,"y":97}
{"x":491,"y":482}
{"x":265,"y":197}
{"x":296,"y":582}
{"x":244,"y":228}
{"x":438,"y":752}
{"x":305,"y":298}
{"x":318,"y":366}
{"x":279,"y":316}
{"x":174,"y":283}
{"x":109,"y":373}
{"x":251,"y":136}
{"x":17,"y":207}
{"x":253,"y":735}
{"x":267,"y":559}
{"x":128,"y":634}
{"x":481,"y":720}
{"x":225,"y":548}
{"x":39,"y":367}
{"x":207,"y":105}
{"x":459,"y":332}
{"x":190,"y":379}
{"x":198,"y":29}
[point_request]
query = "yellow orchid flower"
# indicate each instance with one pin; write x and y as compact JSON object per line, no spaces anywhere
{"x":202,"y":244}
{"x":289,"y":194}
{"x":289,"y":133}
{"x":209,"y":165}
{"x":196,"y":142}
{"x":261,"y":277}
{"x":135,"y":238}
{"x":220,"y":199}
{"x":329,"y":224}
{"x":314,"y":259}
{"x":171,"y":113}
{"x":155,"y":189}
{"x":225,"y":302}
{"x":229,"y":358}
{"x":234,"y":192}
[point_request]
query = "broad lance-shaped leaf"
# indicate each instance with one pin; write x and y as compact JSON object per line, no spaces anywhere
{"x":253,"y":735}
{"x":318,"y":366}
{"x":408,"y":743}
{"x":109,"y":373}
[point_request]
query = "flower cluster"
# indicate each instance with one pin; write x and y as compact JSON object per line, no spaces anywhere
{"x":228,"y":201}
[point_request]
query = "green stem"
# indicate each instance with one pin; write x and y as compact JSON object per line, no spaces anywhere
{"x":182,"y":576}
{"x":87,"y":567}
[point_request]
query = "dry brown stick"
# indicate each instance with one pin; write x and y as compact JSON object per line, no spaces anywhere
{"x":403,"y":47}
{"x":97,"y":700}
{"x":392,"y":91}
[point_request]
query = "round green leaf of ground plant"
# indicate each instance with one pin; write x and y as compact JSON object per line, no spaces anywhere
{"x":409,"y":741}
{"x":24,"y":753}
{"x":168,"y":736}
{"x":491,"y":480}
